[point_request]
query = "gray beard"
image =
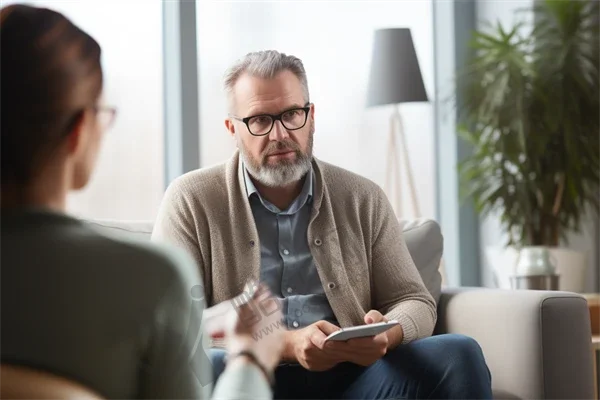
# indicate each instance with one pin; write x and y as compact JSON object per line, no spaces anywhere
{"x":277,"y":175}
{"x":282,"y":174}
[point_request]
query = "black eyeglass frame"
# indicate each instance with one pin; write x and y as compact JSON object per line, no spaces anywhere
{"x":274,"y":118}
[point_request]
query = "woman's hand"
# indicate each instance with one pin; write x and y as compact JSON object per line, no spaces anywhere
{"x":251,"y":321}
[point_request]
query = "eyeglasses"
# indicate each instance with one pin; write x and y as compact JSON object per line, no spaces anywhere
{"x":106,"y":116}
{"x":262,"y":124}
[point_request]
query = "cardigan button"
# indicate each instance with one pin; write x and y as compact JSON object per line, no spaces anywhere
{"x":318,"y":242}
{"x":252,"y":243}
{"x":331,"y":285}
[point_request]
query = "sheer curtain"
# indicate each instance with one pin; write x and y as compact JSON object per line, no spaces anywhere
{"x":334,"y":39}
{"x":128,"y":181}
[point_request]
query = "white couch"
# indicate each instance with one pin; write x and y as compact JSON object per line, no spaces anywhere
{"x":537,"y":343}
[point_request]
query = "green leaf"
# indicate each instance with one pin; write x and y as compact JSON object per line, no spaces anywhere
{"x":529,"y":108}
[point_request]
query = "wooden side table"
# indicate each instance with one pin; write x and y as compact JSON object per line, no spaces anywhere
{"x":595,"y":350}
{"x":593,"y":300}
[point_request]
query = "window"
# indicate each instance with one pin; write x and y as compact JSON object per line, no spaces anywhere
{"x":334,"y":39}
{"x":128,"y":181}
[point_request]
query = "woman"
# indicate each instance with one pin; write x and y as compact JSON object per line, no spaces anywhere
{"x":119,"y":317}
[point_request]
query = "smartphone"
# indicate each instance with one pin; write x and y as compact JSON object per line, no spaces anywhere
{"x":361,"y":331}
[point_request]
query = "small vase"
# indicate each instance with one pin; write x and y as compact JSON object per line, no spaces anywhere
{"x":535,"y":270}
{"x":535,"y":260}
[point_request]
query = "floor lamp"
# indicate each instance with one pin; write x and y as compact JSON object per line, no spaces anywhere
{"x":395,"y":78}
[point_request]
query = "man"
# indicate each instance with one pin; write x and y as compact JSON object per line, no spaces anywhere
{"x":326,"y":241}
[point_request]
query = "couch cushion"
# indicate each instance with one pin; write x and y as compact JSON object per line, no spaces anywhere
{"x":425,"y":243}
{"x":423,"y":238}
{"x":141,"y":230}
{"x":502,"y":395}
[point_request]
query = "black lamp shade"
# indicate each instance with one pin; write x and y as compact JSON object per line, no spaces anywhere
{"x":395,"y":74}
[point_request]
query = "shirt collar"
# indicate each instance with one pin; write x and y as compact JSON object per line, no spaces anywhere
{"x":250,"y":188}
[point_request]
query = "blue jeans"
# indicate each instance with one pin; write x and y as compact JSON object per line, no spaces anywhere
{"x":438,"y":367}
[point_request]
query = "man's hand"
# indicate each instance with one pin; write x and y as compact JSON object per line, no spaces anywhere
{"x":361,"y":351}
{"x":307,"y":346}
{"x":365,"y":351}
{"x":394,"y":335}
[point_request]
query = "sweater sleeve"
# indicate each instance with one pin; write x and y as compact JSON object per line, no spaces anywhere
{"x":399,"y":291}
{"x":175,"y":223}
{"x":177,"y":365}
{"x":243,"y":382}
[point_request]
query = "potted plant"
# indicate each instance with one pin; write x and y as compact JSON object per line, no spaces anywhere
{"x":529,"y":107}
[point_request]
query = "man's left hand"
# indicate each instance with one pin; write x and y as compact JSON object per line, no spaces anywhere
{"x":362,"y":351}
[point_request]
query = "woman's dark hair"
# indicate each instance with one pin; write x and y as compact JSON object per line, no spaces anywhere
{"x":50,"y":73}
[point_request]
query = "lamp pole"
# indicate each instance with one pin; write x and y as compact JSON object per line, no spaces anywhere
{"x":393,"y":176}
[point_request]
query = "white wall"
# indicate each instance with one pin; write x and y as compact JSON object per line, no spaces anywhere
{"x":588,"y":241}
{"x":490,"y":231}
{"x":128,"y":180}
{"x":334,"y":40}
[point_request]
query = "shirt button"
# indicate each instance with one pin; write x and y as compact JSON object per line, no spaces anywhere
{"x":289,"y":290}
{"x":295,"y":324}
{"x":286,"y":252}
{"x":331,"y":285}
{"x":318,"y":242}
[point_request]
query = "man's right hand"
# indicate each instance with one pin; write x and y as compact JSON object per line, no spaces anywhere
{"x":307,"y":346}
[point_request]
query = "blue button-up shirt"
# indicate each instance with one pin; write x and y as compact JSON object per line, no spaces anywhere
{"x":287,"y":265}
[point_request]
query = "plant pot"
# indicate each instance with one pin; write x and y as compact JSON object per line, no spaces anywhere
{"x":571,"y":266}
{"x":535,"y":270}
{"x":535,"y":282}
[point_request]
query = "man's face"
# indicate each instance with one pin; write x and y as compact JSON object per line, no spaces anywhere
{"x":282,"y":156}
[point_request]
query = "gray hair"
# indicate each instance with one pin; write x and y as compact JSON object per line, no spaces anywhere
{"x":265,"y":64}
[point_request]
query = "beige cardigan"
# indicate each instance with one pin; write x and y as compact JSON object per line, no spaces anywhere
{"x":354,"y":236}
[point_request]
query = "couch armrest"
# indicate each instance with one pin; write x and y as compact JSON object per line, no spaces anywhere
{"x":537,"y":344}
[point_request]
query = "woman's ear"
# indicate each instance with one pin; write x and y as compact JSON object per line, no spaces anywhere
{"x":74,"y":137}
